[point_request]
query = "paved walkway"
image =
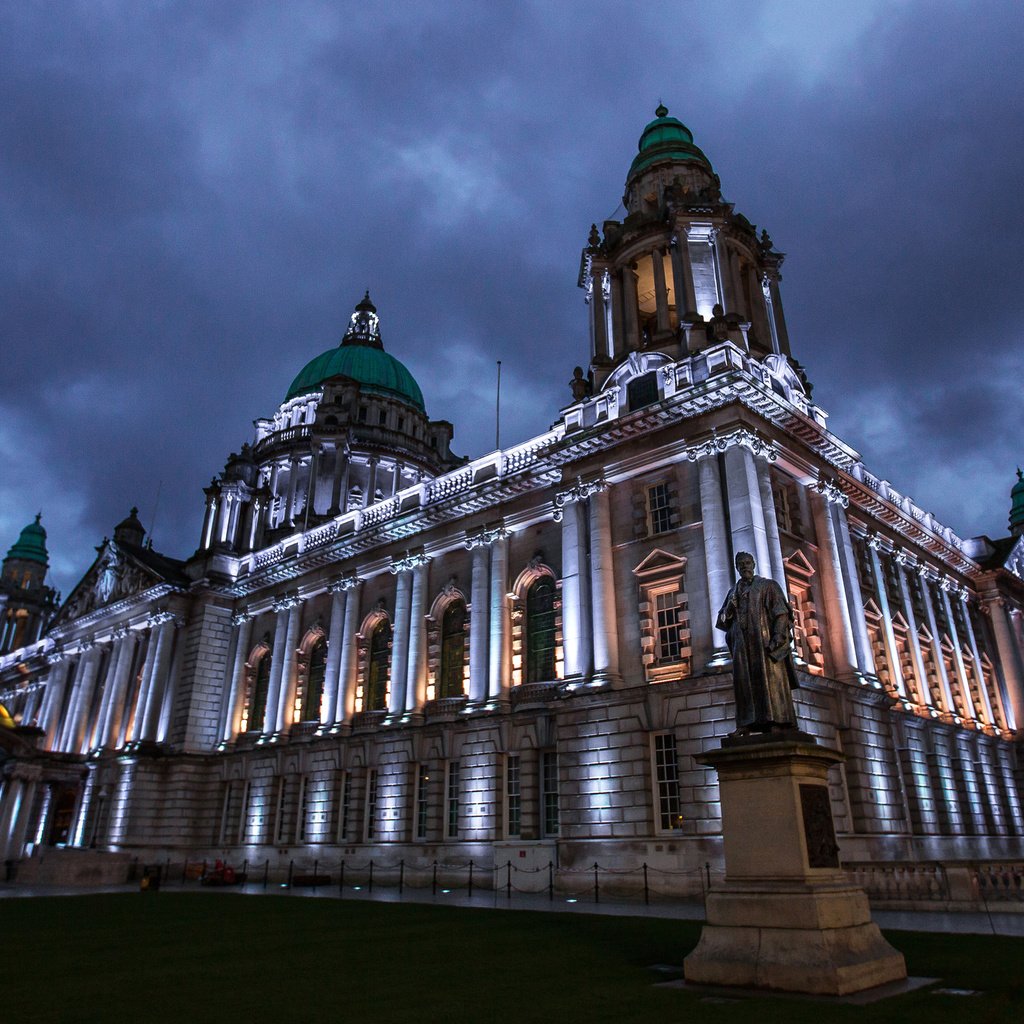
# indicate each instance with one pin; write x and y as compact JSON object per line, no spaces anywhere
{"x":952,"y":922}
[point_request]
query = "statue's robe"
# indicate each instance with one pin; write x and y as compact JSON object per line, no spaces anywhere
{"x":758,"y":623}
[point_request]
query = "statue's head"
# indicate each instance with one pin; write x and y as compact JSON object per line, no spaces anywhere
{"x":745,"y":565}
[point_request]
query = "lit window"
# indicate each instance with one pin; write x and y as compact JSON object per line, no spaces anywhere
{"x":659,"y":508}
{"x":671,"y":607}
{"x":453,"y":650}
{"x":378,"y":667}
{"x":315,"y":682}
{"x":666,"y":779}
{"x":422,"y":801}
{"x":256,"y":711}
{"x":302,"y":810}
{"x":513,"y":797}
{"x":549,"y":791}
{"x":540,"y":631}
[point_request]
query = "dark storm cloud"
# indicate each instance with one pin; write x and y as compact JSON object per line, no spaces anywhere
{"x":193,"y":196}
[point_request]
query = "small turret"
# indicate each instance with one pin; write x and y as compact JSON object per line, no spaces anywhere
{"x":1017,"y":505}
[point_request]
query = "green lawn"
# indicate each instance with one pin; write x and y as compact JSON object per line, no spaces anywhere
{"x":193,"y":957}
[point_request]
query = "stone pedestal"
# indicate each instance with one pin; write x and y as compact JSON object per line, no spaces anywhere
{"x":786,"y":918}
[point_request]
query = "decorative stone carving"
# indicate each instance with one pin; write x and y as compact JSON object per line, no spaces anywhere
{"x":830,"y":490}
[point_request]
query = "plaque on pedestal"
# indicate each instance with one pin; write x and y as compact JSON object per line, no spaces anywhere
{"x":786,"y":917}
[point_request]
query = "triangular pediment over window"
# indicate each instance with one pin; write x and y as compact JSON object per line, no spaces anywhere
{"x":797,"y":562}
{"x":658,"y":563}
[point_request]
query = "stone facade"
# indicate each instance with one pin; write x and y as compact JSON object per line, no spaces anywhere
{"x":381,"y":650}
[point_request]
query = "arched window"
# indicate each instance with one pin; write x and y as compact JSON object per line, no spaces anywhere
{"x":540,"y":631}
{"x":378,"y":667}
{"x":256,"y":711}
{"x":314,"y":690}
{"x":453,"y":650}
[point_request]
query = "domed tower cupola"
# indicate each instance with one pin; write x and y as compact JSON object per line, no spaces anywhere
{"x":26,"y":603}
{"x":130,"y":530}
{"x":682,"y":271}
{"x":364,"y":325}
{"x":1017,"y":506}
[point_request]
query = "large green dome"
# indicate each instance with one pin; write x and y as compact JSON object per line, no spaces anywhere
{"x":361,"y":357}
{"x":372,"y":367}
{"x":665,"y":138}
{"x":31,"y":544}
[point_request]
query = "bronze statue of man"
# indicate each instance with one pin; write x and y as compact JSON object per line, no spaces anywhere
{"x":758,"y":624}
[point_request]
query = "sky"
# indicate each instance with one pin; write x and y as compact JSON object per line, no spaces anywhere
{"x":193,"y":196}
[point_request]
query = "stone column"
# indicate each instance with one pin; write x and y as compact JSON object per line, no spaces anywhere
{"x":599,"y":312}
{"x":293,"y":483}
{"x":1009,"y":659}
{"x":332,"y":678}
{"x":940,"y":664}
{"x":371,"y":482}
{"x":745,"y":512}
{"x":630,"y":308}
{"x":882,"y":597}
{"x":347,"y":665}
{"x":110,"y":719}
{"x":416,"y":675}
{"x":970,"y":708}
{"x":66,"y":729}
{"x":500,"y":634}
{"x":686,"y":296}
{"x":991,"y":715}
{"x":660,"y":290}
{"x":602,"y":589}
{"x":717,"y":560}
{"x":575,"y":625}
{"x":618,"y":324}
{"x":771,"y":524}
{"x":289,"y":668}
{"x":478,"y":658}
{"x":340,"y":474}
{"x":57,"y":683}
{"x":902,"y":560}
{"x":400,"y":641}
{"x":855,"y":600}
{"x":837,"y":611}
{"x":242,"y":623}
{"x":160,"y":681}
{"x":278,"y":657}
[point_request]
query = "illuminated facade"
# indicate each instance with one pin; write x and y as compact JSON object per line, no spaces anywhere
{"x":382,"y":649}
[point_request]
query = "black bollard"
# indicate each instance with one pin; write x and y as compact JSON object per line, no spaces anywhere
{"x":433,"y":884}
{"x":597,"y":889}
{"x":647,"y":894}
{"x":371,"y":875}
{"x":551,"y":881}
{"x":266,"y":872}
{"x":401,"y":876}
{"x":508,"y":882}
{"x":471,"y":879}
{"x":341,"y":878}
{"x":316,"y":868}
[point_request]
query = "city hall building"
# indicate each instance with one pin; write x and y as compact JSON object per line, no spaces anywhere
{"x":383,"y":651}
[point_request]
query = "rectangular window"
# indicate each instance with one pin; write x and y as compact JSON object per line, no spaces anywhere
{"x":513,"y":798}
{"x":666,"y":783}
{"x":549,"y":791}
{"x":422,"y":801}
{"x":344,"y":805}
{"x":370,"y":829}
{"x":669,"y":610}
{"x":382,"y":417}
{"x":659,"y":508}
{"x":362,"y":414}
{"x":452,"y":793}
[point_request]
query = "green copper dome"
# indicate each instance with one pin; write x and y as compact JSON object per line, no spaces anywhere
{"x":665,"y":138}
{"x":361,"y":357}
{"x":31,"y":544}
{"x":1017,"y":504}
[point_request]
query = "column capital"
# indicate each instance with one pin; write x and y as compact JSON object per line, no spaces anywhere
{"x":343,"y":583}
{"x":579,"y":491}
{"x":904,"y":558}
{"x":873,"y":541}
{"x":718,"y":444}
{"x":486,"y":536}
{"x":287,"y":602}
{"x":242,"y":616}
{"x":408,"y":562}
{"x":159,"y":618}
{"x":56,"y":656}
{"x":829,"y":488}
